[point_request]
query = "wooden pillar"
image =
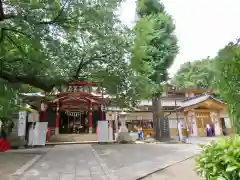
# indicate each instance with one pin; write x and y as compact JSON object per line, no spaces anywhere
{"x":187,"y":123}
{"x":90,"y":118}
{"x":57,"y":120}
{"x":219,"y":123}
{"x":204,"y":133}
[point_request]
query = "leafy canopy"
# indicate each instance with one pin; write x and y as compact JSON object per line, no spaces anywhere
{"x":156,"y":40}
{"x":220,"y":73}
{"x":227,"y":68}
{"x":196,"y":74}
{"x":49,"y":43}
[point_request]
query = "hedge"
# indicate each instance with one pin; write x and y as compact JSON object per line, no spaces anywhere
{"x":220,"y":160}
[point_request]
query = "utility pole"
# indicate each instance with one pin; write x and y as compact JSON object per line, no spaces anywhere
{"x":176,"y":111}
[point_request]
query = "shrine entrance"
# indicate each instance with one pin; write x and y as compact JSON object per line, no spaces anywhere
{"x":73,"y":123}
{"x":76,"y":107}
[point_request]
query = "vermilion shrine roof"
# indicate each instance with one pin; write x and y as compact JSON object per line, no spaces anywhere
{"x":78,"y":96}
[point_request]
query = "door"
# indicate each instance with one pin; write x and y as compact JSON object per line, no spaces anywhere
{"x":193,"y":128}
{"x":203,"y":118}
{"x":200,"y":127}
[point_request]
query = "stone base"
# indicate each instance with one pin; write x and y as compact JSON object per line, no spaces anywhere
{"x":125,"y":136}
{"x":56,"y":131}
{"x":90,"y":130}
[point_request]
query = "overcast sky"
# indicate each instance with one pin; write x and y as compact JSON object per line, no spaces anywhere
{"x":202,"y":26}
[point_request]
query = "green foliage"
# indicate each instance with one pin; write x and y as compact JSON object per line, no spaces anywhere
{"x":227,"y":73}
{"x":220,"y":160}
{"x":220,"y":73}
{"x":154,"y":51}
{"x":156,"y":43}
{"x":197,"y":74}
{"x":50,"y":43}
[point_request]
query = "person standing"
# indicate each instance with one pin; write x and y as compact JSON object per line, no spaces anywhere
{"x":140,"y":133}
{"x":209,"y":130}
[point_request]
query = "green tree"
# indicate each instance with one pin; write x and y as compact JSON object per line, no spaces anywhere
{"x":156,"y":40}
{"x":49,"y":43}
{"x":196,"y":74}
{"x":227,"y":72}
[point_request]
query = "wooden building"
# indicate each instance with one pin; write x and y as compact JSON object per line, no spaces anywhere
{"x":193,"y":108}
{"x":80,"y":106}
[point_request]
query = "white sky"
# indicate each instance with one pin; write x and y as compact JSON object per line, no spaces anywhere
{"x":202,"y":26}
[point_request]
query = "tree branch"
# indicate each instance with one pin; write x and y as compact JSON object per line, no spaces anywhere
{"x":18,"y":32}
{"x":80,"y":66}
{"x":55,"y":20}
{"x":31,"y":80}
{"x":17,"y":46}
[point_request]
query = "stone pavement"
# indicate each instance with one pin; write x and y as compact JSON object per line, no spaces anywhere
{"x":202,"y":140}
{"x":12,"y":160}
{"x":180,"y":171}
{"x":110,"y":162}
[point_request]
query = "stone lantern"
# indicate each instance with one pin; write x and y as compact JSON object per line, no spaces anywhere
{"x":122,"y":119}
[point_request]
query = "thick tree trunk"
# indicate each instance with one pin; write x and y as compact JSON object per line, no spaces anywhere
{"x":155,"y":118}
{"x":160,"y":123}
{"x":156,"y":102}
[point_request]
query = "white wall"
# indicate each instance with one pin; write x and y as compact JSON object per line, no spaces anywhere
{"x":189,"y":94}
{"x":173,"y":119}
{"x":165,"y":102}
{"x":139,"y":116}
{"x":173,"y":123}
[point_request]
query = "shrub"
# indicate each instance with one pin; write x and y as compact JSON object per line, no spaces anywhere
{"x":220,"y":160}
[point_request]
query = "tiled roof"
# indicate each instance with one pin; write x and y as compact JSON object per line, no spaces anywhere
{"x":198,"y":99}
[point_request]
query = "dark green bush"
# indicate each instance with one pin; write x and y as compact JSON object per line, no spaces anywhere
{"x":220,"y":160}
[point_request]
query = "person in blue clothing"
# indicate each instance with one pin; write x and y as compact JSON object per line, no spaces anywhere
{"x":140,"y":133}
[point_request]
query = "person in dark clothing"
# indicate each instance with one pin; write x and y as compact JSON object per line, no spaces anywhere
{"x":209,"y":130}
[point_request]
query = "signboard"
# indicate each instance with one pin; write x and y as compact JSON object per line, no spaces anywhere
{"x":109,"y":116}
{"x":164,"y":126}
{"x":22,"y":123}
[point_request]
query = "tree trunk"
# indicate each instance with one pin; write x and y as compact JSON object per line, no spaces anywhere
{"x":156,"y":102}
{"x":160,"y":123}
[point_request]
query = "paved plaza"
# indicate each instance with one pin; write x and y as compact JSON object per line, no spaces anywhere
{"x":109,"y":162}
{"x":11,"y":162}
{"x":181,"y":171}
